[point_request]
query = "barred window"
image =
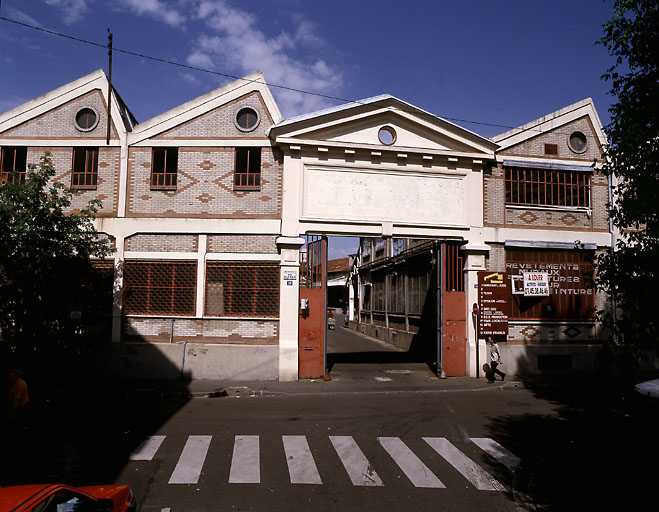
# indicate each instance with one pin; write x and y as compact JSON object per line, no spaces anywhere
{"x":160,"y":287}
{"x":248,"y":169}
{"x":164,"y":168}
{"x":85,"y":168}
{"x":13,"y":164}
{"x":242,"y":288}
{"x":453,"y":265}
{"x":547,"y":187}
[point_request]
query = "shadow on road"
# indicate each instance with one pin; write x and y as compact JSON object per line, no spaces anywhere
{"x":597,"y":450}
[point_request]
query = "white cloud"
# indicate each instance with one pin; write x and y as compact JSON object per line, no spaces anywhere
{"x":157,"y":9}
{"x":17,"y":15}
{"x":73,"y":10}
{"x":234,"y":42}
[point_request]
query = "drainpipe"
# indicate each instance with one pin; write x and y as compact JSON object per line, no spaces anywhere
{"x":439,"y":300}
{"x":183,"y":357}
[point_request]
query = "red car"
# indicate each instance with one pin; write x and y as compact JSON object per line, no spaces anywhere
{"x":62,"y":498}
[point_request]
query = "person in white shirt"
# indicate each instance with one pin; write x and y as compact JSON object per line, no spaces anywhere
{"x":495,"y":360}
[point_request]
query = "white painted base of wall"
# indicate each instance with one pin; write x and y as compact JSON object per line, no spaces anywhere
{"x":170,"y":361}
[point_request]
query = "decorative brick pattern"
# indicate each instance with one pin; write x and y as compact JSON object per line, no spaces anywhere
{"x":108,"y":171}
{"x":563,"y":333}
{"x":161,"y":243}
{"x":265,"y":244}
{"x":205,"y":186}
{"x":220,"y":123}
{"x":548,"y":218}
{"x":263,"y":332}
{"x":535,"y":146}
{"x":59,"y":123}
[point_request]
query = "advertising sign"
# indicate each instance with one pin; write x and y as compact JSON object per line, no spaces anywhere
{"x":493,"y":293}
{"x":536,"y":284}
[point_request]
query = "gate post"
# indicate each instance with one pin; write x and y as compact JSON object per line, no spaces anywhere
{"x":289,"y":298}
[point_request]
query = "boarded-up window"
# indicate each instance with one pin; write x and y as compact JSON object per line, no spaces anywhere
{"x":160,"y":287}
{"x":242,"y":288}
{"x":419,"y":271}
{"x":572,"y":293}
{"x":377,"y":291}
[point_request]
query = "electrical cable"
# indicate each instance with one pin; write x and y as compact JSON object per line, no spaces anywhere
{"x":278,"y":86}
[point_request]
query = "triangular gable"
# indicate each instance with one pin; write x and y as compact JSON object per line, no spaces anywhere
{"x":174,"y":122}
{"x":52,"y":115}
{"x":218,"y":123}
{"x":357,"y":124}
{"x":550,"y":136}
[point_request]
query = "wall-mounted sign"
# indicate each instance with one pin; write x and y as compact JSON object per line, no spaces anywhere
{"x":494,"y":309}
{"x":536,"y":284}
{"x":290,"y":275}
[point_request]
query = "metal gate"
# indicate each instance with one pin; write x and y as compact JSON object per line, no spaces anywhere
{"x":313,"y":312}
{"x":453,"y":313}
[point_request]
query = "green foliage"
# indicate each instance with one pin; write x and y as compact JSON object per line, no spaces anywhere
{"x":45,"y":252}
{"x":629,"y":273}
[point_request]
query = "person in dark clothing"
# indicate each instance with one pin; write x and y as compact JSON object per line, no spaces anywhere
{"x":495,"y":360}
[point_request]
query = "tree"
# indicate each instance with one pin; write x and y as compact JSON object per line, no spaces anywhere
{"x":628,"y":272}
{"x":45,"y":253}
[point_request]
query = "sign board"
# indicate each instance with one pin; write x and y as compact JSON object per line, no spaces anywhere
{"x":536,"y":284}
{"x":493,"y":293}
{"x":290,"y":275}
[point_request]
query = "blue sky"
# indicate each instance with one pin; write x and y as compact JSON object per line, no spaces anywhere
{"x":486,"y":65}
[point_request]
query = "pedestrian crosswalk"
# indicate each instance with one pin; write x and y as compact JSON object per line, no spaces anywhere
{"x":245,"y":465}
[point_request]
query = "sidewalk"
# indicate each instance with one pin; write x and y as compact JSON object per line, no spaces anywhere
{"x":346,"y":379}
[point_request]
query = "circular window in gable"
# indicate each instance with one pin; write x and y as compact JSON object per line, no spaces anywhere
{"x":387,"y":135}
{"x":578,"y":142}
{"x":247,"y":119}
{"x":86,"y":119}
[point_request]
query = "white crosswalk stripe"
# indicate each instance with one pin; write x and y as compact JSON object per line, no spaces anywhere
{"x":410,"y":464}
{"x":497,"y":451}
{"x":476,"y":475}
{"x":301,"y":465}
{"x":245,"y":463}
{"x":353,"y":459}
{"x":302,"y":468}
{"x":188,"y":468}
{"x":148,"y":448}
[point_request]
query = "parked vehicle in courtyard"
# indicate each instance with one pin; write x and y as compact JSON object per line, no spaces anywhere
{"x":62,"y":498}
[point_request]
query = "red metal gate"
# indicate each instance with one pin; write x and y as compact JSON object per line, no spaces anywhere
{"x":312,"y":318}
{"x":454,"y":334}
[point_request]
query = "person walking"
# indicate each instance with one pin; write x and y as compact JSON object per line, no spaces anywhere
{"x":495,"y":360}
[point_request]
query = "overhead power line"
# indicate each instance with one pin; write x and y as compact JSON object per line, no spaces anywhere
{"x":234,"y":77}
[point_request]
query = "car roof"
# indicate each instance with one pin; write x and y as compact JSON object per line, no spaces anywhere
{"x":11,"y":498}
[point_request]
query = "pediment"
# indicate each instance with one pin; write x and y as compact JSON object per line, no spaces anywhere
{"x":359,"y":126}
{"x":551,"y":136}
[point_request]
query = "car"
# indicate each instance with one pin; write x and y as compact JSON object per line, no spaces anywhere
{"x":648,"y":388}
{"x":63,"y":498}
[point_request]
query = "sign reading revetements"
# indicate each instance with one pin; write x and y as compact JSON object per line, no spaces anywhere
{"x":493,"y":303}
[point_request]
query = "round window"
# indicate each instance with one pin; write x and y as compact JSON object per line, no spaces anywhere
{"x":387,"y":135}
{"x":578,"y":142}
{"x":86,"y":119}
{"x":247,"y":119}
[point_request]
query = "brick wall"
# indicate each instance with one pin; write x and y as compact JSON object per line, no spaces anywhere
{"x":59,"y":123}
{"x":162,"y":243}
{"x":265,"y":332}
{"x":563,"y":332}
{"x":220,"y":123}
{"x":265,"y":244}
{"x":205,"y":186}
{"x":535,"y":146}
{"x":108,"y":172}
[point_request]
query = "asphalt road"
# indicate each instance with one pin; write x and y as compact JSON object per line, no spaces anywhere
{"x":529,"y":447}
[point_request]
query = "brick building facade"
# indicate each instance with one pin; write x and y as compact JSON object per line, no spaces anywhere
{"x":206,"y":205}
